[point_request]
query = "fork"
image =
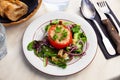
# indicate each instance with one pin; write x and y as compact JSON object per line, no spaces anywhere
{"x":104,"y":8}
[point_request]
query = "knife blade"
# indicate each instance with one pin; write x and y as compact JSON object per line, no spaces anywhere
{"x":112,"y":32}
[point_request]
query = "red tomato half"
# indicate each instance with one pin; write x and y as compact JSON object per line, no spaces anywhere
{"x":59,"y":41}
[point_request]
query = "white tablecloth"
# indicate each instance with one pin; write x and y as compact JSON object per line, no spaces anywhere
{"x":14,"y":66}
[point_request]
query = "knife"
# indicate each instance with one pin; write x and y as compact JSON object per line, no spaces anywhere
{"x":112,"y":32}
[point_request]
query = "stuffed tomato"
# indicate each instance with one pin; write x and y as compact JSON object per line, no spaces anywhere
{"x":59,"y":36}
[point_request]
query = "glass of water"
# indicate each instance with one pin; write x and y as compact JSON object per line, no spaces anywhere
{"x":3,"y":49}
{"x":56,"y":5}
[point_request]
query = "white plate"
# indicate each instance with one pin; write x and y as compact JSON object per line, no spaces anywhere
{"x":35,"y":31}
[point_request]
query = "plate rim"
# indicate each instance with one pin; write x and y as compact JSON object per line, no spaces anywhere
{"x":69,"y":15}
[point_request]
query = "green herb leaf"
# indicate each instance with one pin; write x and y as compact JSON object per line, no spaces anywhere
{"x":55,"y":36}
{"x":58,"y":29}
{"x":64,"y":35}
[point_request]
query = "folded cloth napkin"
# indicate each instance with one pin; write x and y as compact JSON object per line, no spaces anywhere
{"x":97,"y":18}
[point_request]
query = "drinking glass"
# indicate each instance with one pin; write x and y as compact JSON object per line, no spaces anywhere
{"x":56,"y":5}
{"x":3,"y":49}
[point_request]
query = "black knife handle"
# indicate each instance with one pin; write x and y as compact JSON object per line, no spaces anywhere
{"x":112,"y":33}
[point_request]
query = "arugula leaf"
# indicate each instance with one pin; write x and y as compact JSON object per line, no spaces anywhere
{"x":30,"y":46}
{"x":76,"y":28}
{"x":83,"y":37}
{"x":47,"y":27}
{"x":45,"y":61}
{"x":67,"y":23}
{"x":60,"y":62}
{"x":39,"y":54}
{"x":48,"y":52}
{"x":56,"y":21}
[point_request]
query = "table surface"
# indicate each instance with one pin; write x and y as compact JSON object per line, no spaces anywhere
{"x":14,"y":66}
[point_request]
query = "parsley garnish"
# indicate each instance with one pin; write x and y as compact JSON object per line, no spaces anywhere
{"x":64,"y":35}
{"x":58,"y":29}
{"x":55,"y":37}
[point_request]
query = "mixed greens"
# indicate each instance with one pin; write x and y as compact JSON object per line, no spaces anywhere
{"x":59,"y":57}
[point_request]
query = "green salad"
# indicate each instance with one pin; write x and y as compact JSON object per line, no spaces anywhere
{"x":64,"y":41}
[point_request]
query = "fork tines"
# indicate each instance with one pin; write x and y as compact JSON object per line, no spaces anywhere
{"x":103,"y":3}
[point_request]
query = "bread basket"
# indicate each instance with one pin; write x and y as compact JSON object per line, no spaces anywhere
{"x":33,"y":6}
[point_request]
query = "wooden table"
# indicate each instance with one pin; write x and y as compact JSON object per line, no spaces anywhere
{"x":14,"y":66}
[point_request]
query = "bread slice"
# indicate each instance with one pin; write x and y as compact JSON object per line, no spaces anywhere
{"x":13,"y":10}
{"x":2,"y":7}
{"x":1,"y":12}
